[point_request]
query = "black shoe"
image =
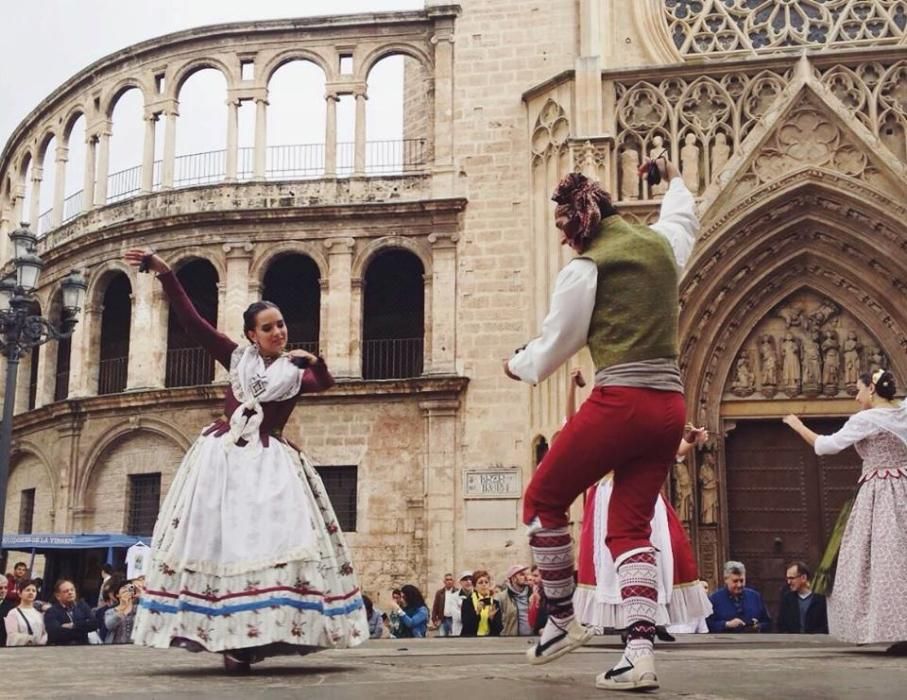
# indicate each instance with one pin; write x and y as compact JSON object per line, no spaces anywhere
{"x":235,"y":662}
{"x":663,"y":635}
{"x":898,"y":649}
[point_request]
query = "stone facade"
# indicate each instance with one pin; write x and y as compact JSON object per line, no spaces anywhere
{"x":798,"y":162}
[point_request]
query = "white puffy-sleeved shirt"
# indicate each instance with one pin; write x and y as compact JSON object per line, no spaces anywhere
{"x":566,"y":327}
{"x":863,"y":425}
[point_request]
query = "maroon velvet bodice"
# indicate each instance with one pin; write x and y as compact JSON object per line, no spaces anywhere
{"x":220,"y":347}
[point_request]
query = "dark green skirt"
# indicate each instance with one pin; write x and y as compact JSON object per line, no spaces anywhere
{"x":824,"y":580}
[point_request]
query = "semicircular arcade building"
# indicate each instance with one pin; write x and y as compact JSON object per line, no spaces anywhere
{"x":416,"y":264}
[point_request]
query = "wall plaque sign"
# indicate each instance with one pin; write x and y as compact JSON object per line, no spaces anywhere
{"x":492,"y":482}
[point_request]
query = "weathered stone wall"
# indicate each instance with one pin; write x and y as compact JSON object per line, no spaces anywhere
{"x":28,"y":472}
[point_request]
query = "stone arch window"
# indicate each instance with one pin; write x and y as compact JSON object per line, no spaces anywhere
{"x":59,"y":366}
{"x":124,"y":176}
{"x":116,"y":317}
{"x":26,"y":174}
{"x":393,"y":325}
{"x":47,"y":155}
{"x":293,"y":282}
{"x":75,"y":149}
{"x":398,"y":115}
{"x":189,"y":364}
{"x":201,"y":132}
{"x":296,"y":130}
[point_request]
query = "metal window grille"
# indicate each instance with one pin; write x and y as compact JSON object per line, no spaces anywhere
{"x":144,"y":503}
{"x":392,"y":358}
{"x":189,"y":367}
{"x":340,"y":484}
{"x":26,"y":511}
{"x":112,"y":375}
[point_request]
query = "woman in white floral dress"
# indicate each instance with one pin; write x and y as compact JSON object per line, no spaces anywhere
{"x":868,"y":603}
{"x":247,"y":557}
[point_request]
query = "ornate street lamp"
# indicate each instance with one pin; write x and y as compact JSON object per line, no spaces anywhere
{"x":20,"y":330}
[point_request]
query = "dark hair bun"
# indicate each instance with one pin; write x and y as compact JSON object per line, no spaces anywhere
{"x":885,"y":386}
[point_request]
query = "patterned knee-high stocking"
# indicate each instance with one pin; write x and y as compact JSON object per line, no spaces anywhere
{"x":552,"y":550}
{"x":637,"y":576}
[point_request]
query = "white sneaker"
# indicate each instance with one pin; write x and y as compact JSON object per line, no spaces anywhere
{"x":560,"y":641}
{"x":627,"y":675}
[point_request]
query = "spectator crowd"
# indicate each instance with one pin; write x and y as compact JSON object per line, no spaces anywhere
{"x":471,"y":606}
{"x":30,"y":620}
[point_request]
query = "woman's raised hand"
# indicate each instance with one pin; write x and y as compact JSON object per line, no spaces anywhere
{"x":155,"y":263}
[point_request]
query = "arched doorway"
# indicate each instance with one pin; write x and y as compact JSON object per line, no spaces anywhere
{"x":116,"y":318}
{"x":293,"y":282}
{"x":188,"y":363}
{"x":393,"y":322}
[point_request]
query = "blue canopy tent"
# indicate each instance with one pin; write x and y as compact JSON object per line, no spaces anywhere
{"x":43,"y":542}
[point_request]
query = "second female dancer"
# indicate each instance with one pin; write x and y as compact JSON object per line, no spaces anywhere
{"x":247,"y":556}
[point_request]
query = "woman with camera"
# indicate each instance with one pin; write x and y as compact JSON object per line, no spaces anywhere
{"x":24,"y":624}
{"x":868,"y":603}
{"x":120,"y":620}
{"x":412,"y":613}
{"x":481,"y":613}
{"x":247,"y":556}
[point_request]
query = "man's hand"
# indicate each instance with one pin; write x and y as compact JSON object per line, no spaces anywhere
{"x":508,"y":372}
{"x":735,"y":623}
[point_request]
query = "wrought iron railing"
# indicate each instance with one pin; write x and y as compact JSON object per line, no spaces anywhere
{"x":188,"y":367}
{"x":112,"y":375}
{"x":290,"y":162}
{"x":307,"y":345}
{"x":392,"y":358}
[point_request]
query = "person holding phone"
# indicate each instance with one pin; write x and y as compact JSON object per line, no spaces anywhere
{"x":481,"y":613}
{"x":119,"y":620}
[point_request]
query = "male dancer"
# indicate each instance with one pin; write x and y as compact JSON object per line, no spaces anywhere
{"x":619,"y":297}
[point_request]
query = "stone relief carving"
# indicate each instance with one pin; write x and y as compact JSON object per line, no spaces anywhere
{"x":657,"y":150}
{"x":752,"y":26}
{"x":629,"y":177}
{"x":708,"y":489}
{"x":683,"y":492}
{"x":800,"y":352}
{"x":689,"y":163}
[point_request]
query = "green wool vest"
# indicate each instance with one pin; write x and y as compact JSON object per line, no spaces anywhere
{"x":636,"y":301}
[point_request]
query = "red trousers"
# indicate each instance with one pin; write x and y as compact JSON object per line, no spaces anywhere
{"x":632,"y":432}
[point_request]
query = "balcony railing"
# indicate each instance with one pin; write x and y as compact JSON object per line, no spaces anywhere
{"x":392,"y":358}
{"x":307,"y":345}
{"x":188,"y":367}
{"x":112,"y":375}
{"x":293,"y":162}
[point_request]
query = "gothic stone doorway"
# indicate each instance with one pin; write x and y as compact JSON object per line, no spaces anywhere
{"x":782,"y":500}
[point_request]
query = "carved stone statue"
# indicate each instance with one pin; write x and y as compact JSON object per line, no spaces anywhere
{"x":831,"y":363}
{"x":792,"y":315}
{"x":683,"y":492}
{"x":658,"y":147}
{"x":689,"y":163}
{"x":744,"y":383}
{"x":720,"y":153}
{"x":629,"y":174}
{"x":875,"y":358}
{"x":812,"y":362}
{"x":768,"y":363}
{"x":790,"y":370}
{"x":708,"y":490}
{"x":852,"y":348}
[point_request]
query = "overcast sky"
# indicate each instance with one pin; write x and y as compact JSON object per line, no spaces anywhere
{"x":44,"y":42}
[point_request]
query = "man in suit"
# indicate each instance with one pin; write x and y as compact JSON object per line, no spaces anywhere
{"x":801,"y":611}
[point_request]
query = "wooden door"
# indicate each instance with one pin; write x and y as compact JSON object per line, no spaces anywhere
{"x":782,"y":499}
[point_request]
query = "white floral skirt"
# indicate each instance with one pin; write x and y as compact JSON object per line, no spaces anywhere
{"x":247,"y":553}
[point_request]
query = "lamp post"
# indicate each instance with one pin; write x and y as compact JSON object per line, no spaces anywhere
{"x":20,"y":331}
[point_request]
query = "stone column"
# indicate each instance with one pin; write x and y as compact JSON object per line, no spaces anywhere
{"x":443,"y":303}
{"x":147,"y":336}
{"x":66,"y":453}
{"x":232,"y":139}
{"x":47,"y":366}
{"x":35,"y":203}
{"x":100,"y":192}
{"x":88,"y":185}
{"x":443,"y":175}
{"x":168,"y":166}
{"x":359,"y":158}
{"x":5,"y":225}
{"x":330,"y":135}
{"x":148,"y":154}
{"x":61,"y":157}
{"x":236,"y":291}
{"x":337,"y":316}
{"x":84,"y":356}
{"x":440,"y":486}
{"x":261,"y":138}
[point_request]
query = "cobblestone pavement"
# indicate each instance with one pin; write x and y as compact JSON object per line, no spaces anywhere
{"x":700,"y":667}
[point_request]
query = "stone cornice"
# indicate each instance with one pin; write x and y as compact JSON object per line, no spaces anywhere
{"x":432,"y":388}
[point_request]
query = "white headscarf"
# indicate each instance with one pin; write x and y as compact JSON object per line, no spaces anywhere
{"x":254,"y":384}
